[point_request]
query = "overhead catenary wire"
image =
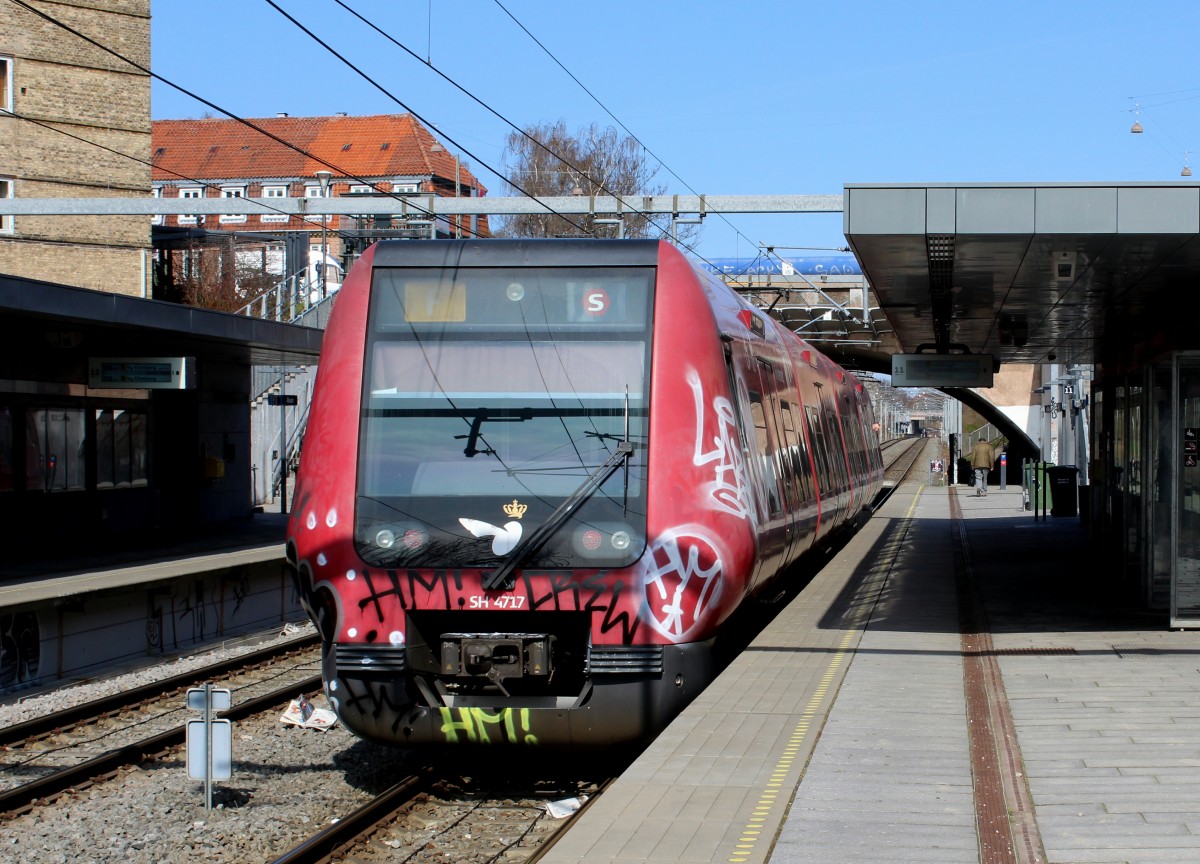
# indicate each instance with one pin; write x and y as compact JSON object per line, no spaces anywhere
{"x":498,"y":173}
{"x":344,"y":174}
{"x":1139,"y":111}
{"x":340,"y":171}
{"x":580,"y":171}
{"x":616,"y":119}
{"x":406,"y":107}
{"x":138,"y":159}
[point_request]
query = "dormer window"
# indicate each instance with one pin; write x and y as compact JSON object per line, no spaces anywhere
{"x":189,"y":192}
{"x":233,"y":192}
{"x":277,"y":191}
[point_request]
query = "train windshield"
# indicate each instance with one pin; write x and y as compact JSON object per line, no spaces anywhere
{"x":494,"y":395}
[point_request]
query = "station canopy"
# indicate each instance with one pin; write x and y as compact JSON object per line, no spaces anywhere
{"x":1070,"y":273}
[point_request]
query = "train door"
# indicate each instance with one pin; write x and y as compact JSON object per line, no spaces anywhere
{"x":766,"y":434}
{"x":775,"y":379}
{"x":756,"y":497}
{"x":753,"y":382}
{"x":826,"y":482}
{"x":844,"y":447}
{"x":795,"y":469}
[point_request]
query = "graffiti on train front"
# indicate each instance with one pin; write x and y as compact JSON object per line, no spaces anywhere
{"x":20,"y":649}
{"x":484,"y":726}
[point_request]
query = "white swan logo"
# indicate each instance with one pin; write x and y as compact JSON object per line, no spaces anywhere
{"x":503,"y":539}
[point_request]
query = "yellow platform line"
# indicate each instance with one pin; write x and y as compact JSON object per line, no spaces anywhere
{"x":752,"y":831}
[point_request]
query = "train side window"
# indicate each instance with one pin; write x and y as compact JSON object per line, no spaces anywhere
{"x":816,"y":434}
{"x":837,"y":449}
{"x":795,"y":454}
{"x":762,"y":442}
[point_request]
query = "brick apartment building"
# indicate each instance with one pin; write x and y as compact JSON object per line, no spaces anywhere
{"x":379,"y":155}
{"x":57,"y":94}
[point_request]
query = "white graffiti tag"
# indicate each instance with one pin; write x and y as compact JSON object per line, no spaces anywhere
{"x":681,"y":580}
{"x":728,"y":487}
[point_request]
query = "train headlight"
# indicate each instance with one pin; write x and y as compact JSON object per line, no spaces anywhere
{"x":607,"y":542}
{"x":385,"y":539}
{"x":414,"y":539}
{"x":515,"y":292}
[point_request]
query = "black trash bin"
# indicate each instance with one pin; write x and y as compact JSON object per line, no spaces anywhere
{"x":1064,"y":490}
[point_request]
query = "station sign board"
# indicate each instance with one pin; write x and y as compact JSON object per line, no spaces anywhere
{"x":943,"y":370}
{"x":142,"y":373}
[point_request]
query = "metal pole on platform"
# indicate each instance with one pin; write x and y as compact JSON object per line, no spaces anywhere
{"x":323,"y":177}
{"x":283,"y":457}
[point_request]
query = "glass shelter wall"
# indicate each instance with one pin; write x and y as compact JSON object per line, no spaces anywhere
{"x":1185,"y":595}
{"x":1146,"y":437}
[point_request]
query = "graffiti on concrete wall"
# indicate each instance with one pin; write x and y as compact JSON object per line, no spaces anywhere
{"x":20,"y":649}
{"x":187,"y":612}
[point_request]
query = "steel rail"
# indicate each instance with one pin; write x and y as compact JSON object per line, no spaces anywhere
{"x":103,"y":766}
{"x":97,"y":708}
{"x":321,"y":847}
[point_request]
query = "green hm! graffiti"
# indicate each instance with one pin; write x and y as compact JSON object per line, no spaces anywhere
{"x":481,"y":726}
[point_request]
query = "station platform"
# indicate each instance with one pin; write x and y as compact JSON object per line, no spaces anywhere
{"x":70,"y":614}
{"x":961,"y":683}
{"x":57,"y":574}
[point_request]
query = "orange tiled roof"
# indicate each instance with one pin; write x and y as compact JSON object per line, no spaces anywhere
{"x":382,"y":145}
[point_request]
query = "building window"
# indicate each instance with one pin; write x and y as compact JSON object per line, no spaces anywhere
{"x":189,"y":192}
{"x":274,"y":192}
{"x":121,"y":449}
{"x":6,"y":84}
{"x":361,"y":190}
{"x":57,"y":447}
{"x":156,"y":192}
{"x":233,"y":192}
{"x":6,"y":191}
{"x":404,"y":189}
{"x":315,"y":192}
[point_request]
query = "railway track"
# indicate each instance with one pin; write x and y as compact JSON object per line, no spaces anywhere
{"x":44,"y":757}
{"x":900,"y":458}
{"x":424,"y":818}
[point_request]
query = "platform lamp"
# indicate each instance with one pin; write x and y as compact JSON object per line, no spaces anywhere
{"x":324,"y":176}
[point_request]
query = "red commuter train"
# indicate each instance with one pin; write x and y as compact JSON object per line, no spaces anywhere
{"x":539,"y":476}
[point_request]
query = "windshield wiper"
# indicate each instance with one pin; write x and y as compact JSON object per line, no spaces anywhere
{"x":502,"y":577}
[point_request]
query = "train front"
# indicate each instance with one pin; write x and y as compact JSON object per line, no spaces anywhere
{"x":482,"y":411}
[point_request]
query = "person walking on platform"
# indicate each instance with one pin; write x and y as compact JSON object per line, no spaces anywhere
{"x":982,"y":460}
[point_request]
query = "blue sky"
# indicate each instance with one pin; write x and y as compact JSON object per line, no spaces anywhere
{"x":746,"y":97}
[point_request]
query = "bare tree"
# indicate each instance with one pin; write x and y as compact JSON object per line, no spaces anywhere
{"x":547,"y":160}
